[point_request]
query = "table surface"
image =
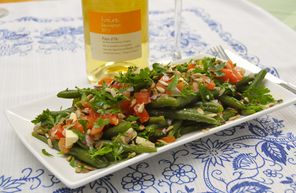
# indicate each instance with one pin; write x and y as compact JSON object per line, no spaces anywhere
{"x":42,"y":53}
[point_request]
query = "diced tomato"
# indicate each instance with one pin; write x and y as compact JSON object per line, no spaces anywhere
{"x":161,"y":85}
{"x":78,"y":127}
{"x":96,"y":131}
{"x":190,"y":66}
{"x":180,"y":85}
{"x":118,"y":85}
{"x":168,"y":139}
{"x":210,"y":85}
{"x":125,"y":107}
{"x":113,"y":119}
{"x":56,"y":132}
{"x":62,"y":146}
{"x":231,"y":75}
{"x":143,"y":116}
{"x":91,"y":118}
{"x":166,"y":91}
{"x":143,"y":97}
{"x":229,"y":64}
{"x":107,"y":80}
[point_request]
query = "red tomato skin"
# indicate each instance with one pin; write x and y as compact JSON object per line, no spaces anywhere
{"x":78,"y":127}
{"x":180,"y":86}
{"x":113,"y":119}
{"x":190,"y":66}
{"x":125,"y":107}
{"x":56,"y":132}
{"x":231,"y":75}
{"x":169,"y":139}
{"x":143,"y":97}
{"x":143,"y":116}
{"x":91,"y":118}
{"x":210,"y":85}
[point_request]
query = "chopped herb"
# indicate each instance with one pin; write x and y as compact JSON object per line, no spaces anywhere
{"x":101,"y":151}
{"x":139,"y":79}
{"x":73,"y":162}
{"x":50,"y":118}
{"x":83,"y":123}
{"x":182,"y":67}
{"x":46,"y":153}
{"x":174,"y":82}
{"x":157,"y":71}
{"x":132,"y":118}
{"x":187,"y":91}
{"x":101,"y":122}
{"x":80,"y":135}
{"x":205,"y":94}
{"x":258,"y":95}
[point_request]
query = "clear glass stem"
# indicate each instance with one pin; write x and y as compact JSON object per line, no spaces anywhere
{"x":178,"y":17}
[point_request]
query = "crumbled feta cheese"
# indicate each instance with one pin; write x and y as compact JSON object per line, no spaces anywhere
{"x":73,"y":117}
{"x":144,"y":142}
{"x":71,"y":138}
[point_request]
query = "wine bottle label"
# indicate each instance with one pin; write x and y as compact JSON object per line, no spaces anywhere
{"x":115,"y":36}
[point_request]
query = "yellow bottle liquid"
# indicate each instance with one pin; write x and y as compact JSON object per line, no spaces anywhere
{"x":116,"y":36}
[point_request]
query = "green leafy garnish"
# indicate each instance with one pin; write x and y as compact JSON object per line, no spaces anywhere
{"x":83,"y":123}
{"x":138,"y":80}
{"x":174,"y":82}
{"x":205,"y":94}
{"x":101,"y":151}
{"x":187,"y":91}
{"x":114,"y":148}
{"x":132,"y":118}
{"x":50,"y":118}
{"x":46,"y":153}
{"x":182,"y":67}
{"x":258,"y":95}
{"x":157,"y":71}
{"x":101,"y":122}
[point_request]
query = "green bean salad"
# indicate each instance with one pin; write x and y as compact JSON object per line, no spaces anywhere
{"x":142,"y":109}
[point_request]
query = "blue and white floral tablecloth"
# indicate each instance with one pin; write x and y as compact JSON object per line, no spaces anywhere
{"x":42,"y":52}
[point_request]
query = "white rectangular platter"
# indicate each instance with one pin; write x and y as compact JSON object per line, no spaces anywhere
{"x":20,"y":118}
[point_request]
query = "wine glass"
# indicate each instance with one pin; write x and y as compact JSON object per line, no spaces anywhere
{"x":178,"y":17}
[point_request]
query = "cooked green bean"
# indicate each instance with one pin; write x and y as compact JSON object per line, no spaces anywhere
{"x":228,"y":113}
{"x":246,"y":81}
{"x":176,"y":130}
{"x":69,"y":94}
{"x":186,"y":114}
{"x":113,"y":131}
{"x":214,"y":107}
{"x":153,"y":131}
{"x":78,"y":153}
{"x":232,"y":102}
{"x":258,"y":79}
{"x":138,"y":148}
{"x":160,"y":120}
{"x":172,"y":102}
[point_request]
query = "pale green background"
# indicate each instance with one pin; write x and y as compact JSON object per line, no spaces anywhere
{"x":284,"y":10}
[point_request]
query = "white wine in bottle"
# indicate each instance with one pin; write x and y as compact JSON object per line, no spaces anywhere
{"x":116,"y":36}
